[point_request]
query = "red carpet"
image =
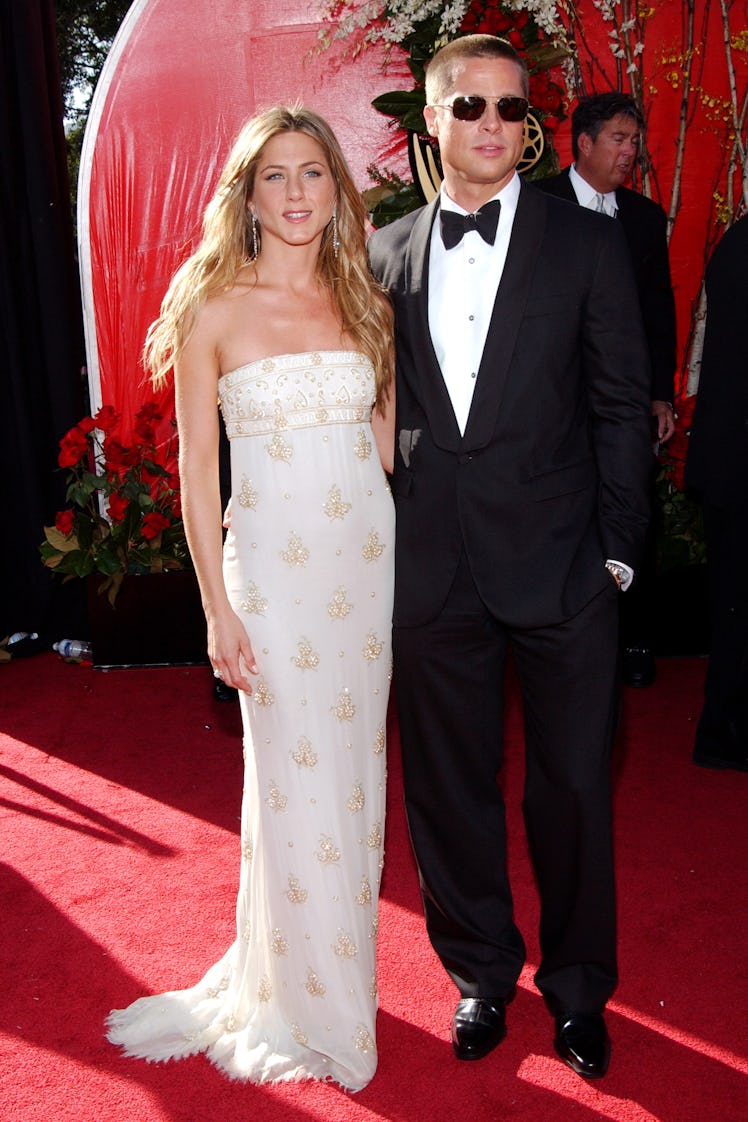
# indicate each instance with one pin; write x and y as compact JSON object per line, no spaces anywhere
{"x":119,"y":797}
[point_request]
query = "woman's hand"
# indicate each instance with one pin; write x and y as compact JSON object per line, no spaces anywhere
{"x":230,"y":651}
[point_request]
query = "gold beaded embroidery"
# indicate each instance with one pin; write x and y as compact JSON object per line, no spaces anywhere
{"x":279,"y":449}
{"x":362,"y":447}
{"x":379,"y":741}
{"x":364,"y":896}
{"x":299,"y":1036}
{"x":372,"y":648}
{"x":363,"y":1040}
{"x":247,"y":932}
{"x":254,"y":602}
{"x":230,"y":1024}
{"x":268,"y":366}
{"x":357,"y":801}
{"x":307,"y":659}
{"x":278,"y":944}
{"x":373,"y":549}
{"x":374,"y":839}
{"x":275,"y":800}
{"x":338,"y":608}
{"x":247,"y":496}
{"x":294,"y":893}
{"x":279,"y":417}
{"x":222,"y":986}
{"x":262,"y":694}
{"x":328,"y":852}
{"x":264,"y":990}
{"x":304,"y":757}
{"x":297,"y":553}
{"x":247,"y":850}
{"x":344,"y":946}
{"x":313,"y":985}
{"x":336,"y":506}
{"x":373,"y":988}
{"x":345,"y":710}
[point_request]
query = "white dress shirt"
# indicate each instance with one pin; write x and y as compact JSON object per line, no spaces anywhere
{"x":463,"y":282}
{"x":587,"y":196}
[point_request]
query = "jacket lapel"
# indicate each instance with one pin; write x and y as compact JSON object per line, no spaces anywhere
{"x":506,"y":320}
{"x":431,"y":390}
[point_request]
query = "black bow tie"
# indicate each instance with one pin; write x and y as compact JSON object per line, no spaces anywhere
{"x":485,"y":221}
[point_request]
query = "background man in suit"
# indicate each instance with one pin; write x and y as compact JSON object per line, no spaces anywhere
{"x":717,"y":467}
{"x":605,"y":139}
{"x":521,"y":469}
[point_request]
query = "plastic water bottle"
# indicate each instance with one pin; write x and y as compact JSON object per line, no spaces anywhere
{"x":73,"y":648}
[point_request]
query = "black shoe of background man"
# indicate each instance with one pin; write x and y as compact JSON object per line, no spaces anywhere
{"x":638,"y":667}
{"x":222,"y":692}
{"x":726,"y":751}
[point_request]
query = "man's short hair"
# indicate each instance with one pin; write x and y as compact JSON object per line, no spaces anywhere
{"x":594,"y":111}
{"x":441,"y":72}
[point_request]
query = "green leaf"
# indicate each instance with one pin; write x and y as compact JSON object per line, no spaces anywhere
{"x":58,"y":541}
{"x":396,"y":205}
{"x":406,"y":106}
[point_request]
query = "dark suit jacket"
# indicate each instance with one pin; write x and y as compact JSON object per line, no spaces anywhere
{"x":550,"y":478}
{"x":644,"y":223}
{"x":717,"y":464}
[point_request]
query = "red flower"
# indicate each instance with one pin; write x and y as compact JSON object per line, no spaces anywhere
{"x":88,"y":424}
{"x":118,"y":457}
{"x":64,"y":522}
{"x":153,"y":524}
{"x":73,"y":447}
{"x":117,"y":507}
{"x":106,"y":418}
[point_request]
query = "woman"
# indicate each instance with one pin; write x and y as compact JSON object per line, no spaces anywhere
{"x":277,"y":315}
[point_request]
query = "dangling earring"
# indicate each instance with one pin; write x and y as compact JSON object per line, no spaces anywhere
{"x":254,"y":234}
{"x":335,"y":238}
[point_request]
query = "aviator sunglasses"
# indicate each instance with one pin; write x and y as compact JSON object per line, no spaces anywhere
{"x":471,"y":107}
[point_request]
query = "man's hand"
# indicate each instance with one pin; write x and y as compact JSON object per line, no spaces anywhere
{"x":663,"y":412}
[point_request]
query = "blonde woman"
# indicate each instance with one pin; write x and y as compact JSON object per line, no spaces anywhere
{"x":278,"y":317}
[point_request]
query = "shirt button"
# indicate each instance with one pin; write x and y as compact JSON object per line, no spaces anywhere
{"x":471,"y":260}
{"x":473,"y":375}
{"x":471,"y":318}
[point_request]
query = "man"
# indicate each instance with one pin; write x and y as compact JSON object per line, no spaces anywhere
{"x":605,"y":139}
{"x":521,"y":467}
{"x":717,"y":467}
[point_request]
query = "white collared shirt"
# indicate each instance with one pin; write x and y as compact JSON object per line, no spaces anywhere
{"x":587,"y":196}
{"x":463,"y":282}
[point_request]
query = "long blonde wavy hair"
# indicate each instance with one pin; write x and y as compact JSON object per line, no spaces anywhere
{"x":225,"y":248}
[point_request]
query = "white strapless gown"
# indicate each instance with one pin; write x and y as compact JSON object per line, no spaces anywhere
{"x":308,"y":565}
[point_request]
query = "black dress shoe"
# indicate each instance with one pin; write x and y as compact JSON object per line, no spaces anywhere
{"x":638,"y":667}
{"x":222,"y":692}
{"x":477,"y":1027}
{"x":583,"y":1043}
{"x":730,"y":756}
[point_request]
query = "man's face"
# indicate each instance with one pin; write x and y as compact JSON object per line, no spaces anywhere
{"x":479,"y":157}
{"x":606,"y":163}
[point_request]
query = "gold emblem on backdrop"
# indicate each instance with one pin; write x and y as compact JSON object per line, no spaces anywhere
{"x":425,"y":169}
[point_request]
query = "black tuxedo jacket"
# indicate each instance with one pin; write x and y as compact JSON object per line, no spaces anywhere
{"x":644,"y":223}
{"x":551,"y":475}
{"x":717,"y":464}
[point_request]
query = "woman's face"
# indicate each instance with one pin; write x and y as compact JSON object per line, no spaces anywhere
{"x":294,"y":191}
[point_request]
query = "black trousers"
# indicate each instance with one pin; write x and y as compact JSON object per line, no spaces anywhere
{"x":723,"y":725}
{"x":449,"y":675}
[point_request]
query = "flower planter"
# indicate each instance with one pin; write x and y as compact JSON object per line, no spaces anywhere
{"x":157,"y":620}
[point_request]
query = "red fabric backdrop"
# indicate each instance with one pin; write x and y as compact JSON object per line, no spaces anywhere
{"x":182,"y":78}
